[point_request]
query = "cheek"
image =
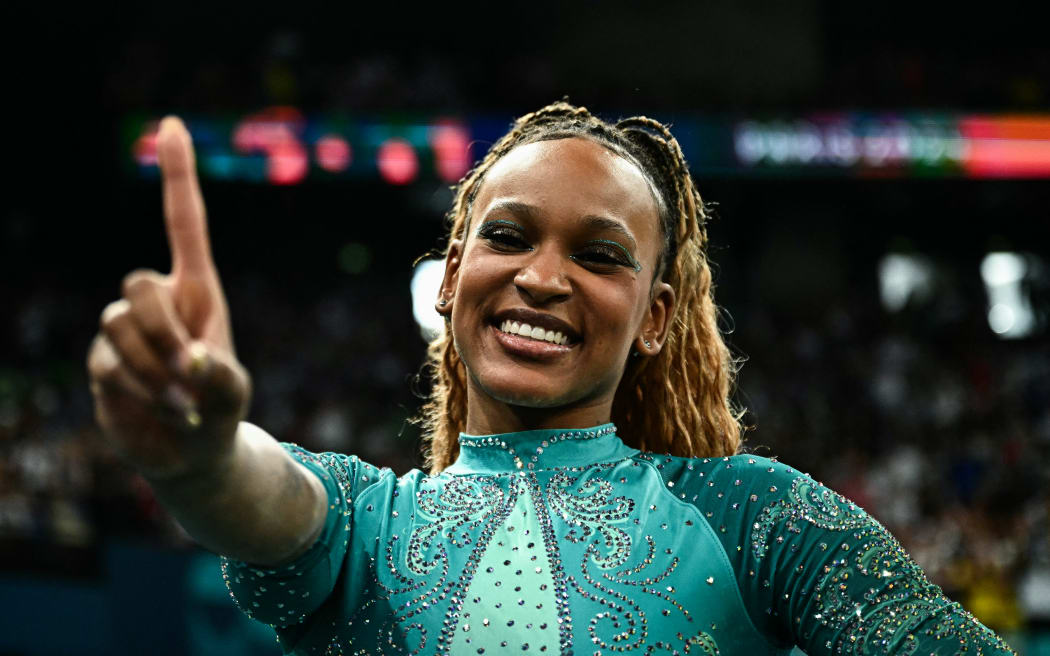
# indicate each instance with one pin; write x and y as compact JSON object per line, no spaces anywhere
{"x":616,"y":311}
{"x":472,"y":273}
{"x":480,"y":278}
{"x":480,"y":269}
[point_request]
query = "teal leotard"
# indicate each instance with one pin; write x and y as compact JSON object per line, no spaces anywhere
{"x":571,"y":542}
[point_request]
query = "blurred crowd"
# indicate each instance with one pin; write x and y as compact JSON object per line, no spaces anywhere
{"x":943,"y":440}
{"x":712,"y":56}
{"x":942,"y":434}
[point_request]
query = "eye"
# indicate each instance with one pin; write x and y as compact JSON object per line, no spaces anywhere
{"x":606,"y":254}
{"x":504,"y":235}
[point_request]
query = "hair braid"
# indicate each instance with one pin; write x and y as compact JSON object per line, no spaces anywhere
{"x":675,"y":402}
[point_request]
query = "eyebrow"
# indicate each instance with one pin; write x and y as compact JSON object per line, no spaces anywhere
{"x":591,"y":221}
{"x":604,"y":223}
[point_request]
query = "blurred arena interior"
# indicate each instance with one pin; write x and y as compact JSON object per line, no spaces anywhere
{"x":880,"y":178}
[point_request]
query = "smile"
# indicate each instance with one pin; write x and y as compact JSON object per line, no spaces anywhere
{"x":533,"y":332}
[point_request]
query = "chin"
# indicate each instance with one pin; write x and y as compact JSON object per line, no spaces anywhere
{"x":528,"y":394}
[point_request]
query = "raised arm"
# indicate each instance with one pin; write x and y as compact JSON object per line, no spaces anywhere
{"x":171,"y":396}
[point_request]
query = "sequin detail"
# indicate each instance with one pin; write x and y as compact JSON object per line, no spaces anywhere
{"x":597,"y":550}
{"x":899,"y":604}
{"x":500,"y":443}
{"x":464,"y":515}
{"x":594,"y":518}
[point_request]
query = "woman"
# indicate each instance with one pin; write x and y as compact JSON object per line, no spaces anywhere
{"x":577,"y":294}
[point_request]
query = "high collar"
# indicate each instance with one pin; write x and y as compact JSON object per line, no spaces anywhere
{"x":538,"y":449}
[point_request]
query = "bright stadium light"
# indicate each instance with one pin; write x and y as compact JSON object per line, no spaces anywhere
{"x":1010,"y":314}
{"x":902,"y":277}
{"x":426,"y":282}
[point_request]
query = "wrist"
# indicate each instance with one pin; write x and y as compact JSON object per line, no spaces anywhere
{"x":207,"y":470}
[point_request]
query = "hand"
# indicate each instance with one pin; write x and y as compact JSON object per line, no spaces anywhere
{"x":169,"y":392}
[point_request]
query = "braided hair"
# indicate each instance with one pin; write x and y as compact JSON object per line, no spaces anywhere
{"x":676,"y":402}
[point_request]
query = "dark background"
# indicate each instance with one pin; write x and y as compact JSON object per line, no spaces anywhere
{"x":923,"y":416}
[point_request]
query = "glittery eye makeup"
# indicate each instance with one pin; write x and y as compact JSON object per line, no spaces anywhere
{"x":503,"y":235}
{"x":492,"y":224}
{"x":611,"y":252}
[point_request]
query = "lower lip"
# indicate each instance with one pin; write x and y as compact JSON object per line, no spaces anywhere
{"x":531,"y":348}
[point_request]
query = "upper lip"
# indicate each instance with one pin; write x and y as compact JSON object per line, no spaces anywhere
{"x":534,"y":318}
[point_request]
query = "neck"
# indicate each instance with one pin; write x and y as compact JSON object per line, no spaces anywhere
{"x":489,"y":416}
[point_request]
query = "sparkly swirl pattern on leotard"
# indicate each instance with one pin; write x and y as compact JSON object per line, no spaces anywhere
{"x":572,"y":543}
{"x":462,"y":516}
{"x":899,"y":605}
{"x":594,"y":517}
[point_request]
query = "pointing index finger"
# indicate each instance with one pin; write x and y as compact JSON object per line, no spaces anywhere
{"x":184,"y":214}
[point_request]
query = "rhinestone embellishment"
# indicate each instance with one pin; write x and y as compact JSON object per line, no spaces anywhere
{"x":495,"y":442}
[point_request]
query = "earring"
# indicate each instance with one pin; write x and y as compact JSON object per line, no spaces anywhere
{"x":443,"y":302}
{"x":647,"y":344}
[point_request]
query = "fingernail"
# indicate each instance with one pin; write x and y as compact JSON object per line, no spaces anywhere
{"x":198,"y":361}
{"x":169,"y":123}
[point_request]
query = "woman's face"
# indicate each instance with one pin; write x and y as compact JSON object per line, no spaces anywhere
{"x":563,"y":244}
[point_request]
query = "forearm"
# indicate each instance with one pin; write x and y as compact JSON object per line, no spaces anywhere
{"x":258,"y":505}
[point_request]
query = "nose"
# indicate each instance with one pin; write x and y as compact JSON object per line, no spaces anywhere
{"x":542,"y":278}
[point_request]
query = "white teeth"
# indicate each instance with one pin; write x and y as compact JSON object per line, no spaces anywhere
{"x":537,"y":333}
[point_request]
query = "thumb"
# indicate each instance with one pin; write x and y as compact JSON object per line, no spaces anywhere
{"x":223,"y":385}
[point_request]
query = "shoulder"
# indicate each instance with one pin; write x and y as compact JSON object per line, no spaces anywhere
{"x":759,"y":505}
{"x":743,"y":471}
{"x":747,"y":497}
{"x":350,"y":473}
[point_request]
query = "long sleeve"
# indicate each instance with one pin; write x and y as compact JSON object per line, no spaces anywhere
{"x":600,"y":549}
{"x":816,"y":570}
{"x":287,"y":595}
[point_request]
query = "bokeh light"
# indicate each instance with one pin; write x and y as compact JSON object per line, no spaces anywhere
{"x":333,"y":153}
{"x":426,"y":283}
{"x":397,"y":161}
{"x":1010,"y":313}
{"x":451,"y":144}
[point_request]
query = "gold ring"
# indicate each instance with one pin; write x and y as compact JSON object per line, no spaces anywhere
{"x":198,"y":358}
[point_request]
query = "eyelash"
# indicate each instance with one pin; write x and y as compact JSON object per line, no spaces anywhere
{"x":506,"y":236}
{"x":503,"y":233}
{"x":614,"y":252}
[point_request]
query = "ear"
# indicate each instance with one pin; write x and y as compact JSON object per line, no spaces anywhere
{"x":450,"y":281}
{"x":657,"y":322}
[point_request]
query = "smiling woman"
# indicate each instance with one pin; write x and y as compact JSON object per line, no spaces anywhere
{"x":576,"y":294}
{"x":555,"y":249}
{"x":614,"y":210}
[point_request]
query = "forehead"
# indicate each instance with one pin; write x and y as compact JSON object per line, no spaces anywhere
{"x":571,"y":176}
